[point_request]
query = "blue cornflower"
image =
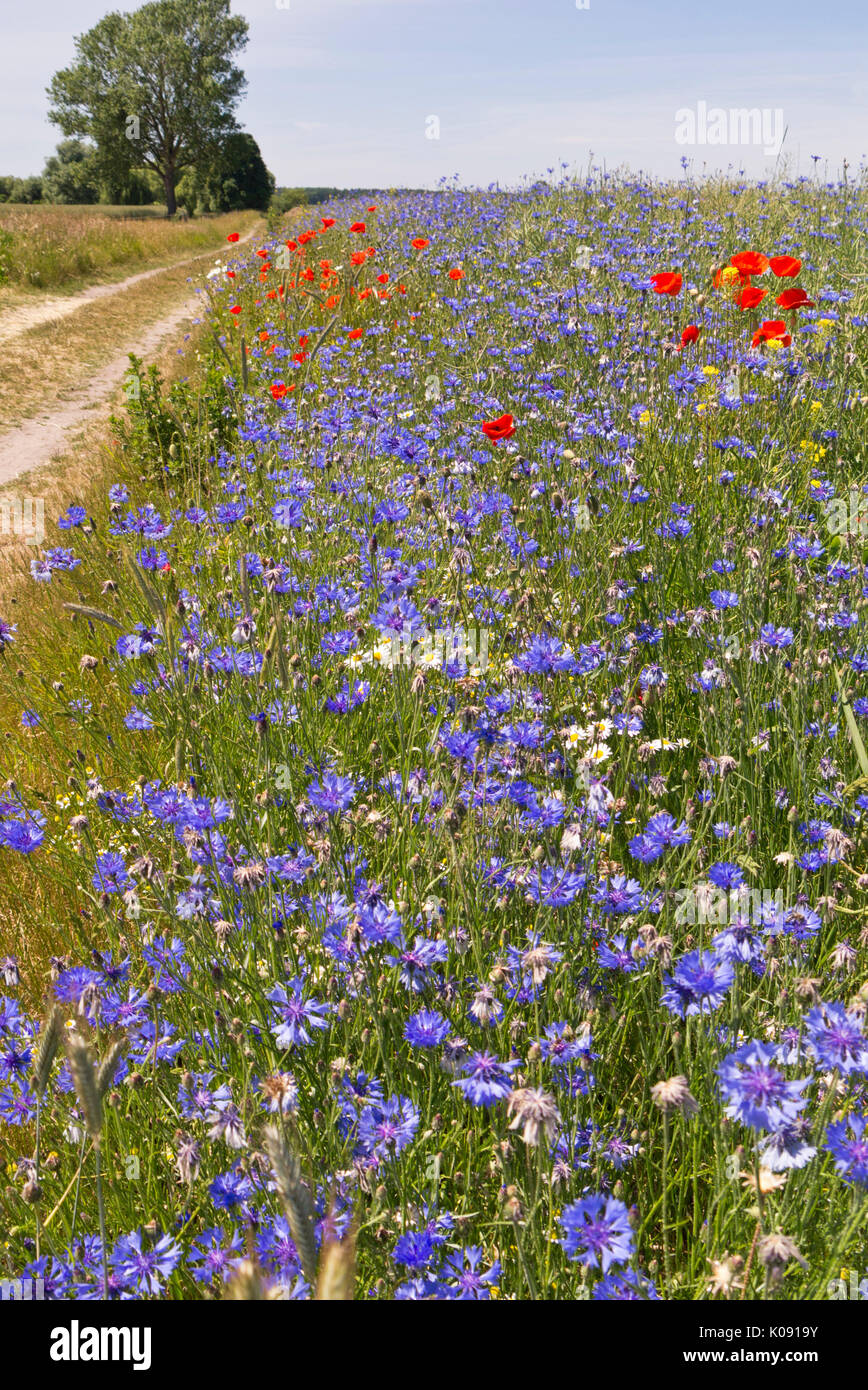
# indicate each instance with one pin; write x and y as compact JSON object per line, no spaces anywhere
{"x":723,"y":598}
{"x":387,"y":1129}
{"x":486,"y":1079}
{"x":462,"y":1273}
{"x":698,"y":984}
{"x":296,"y":1014}
{"x":210,"y":1257}
{"x":836,"y":1038}
{"x":847,"y":1141}
{"x":144,"y":1270}
{"x":597,"y":1232}
{"x":415,"y":1249}
{"x":726,"y":875}
{"x":427,"y":1028}
{"x":332,"y":794}
{"x":756,"y":1093}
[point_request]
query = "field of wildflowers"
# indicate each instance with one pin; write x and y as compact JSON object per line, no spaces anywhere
{"x":433,"y":849}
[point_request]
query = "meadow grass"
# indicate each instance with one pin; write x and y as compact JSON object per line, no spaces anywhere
{"x":534,"y":968}
{"x":47,"y":246}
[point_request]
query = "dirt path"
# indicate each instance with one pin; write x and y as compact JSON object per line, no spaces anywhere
{"x":55,"y":307}
{"x":33,"y":443}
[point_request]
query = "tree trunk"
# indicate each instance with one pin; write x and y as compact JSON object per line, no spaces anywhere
{"x":169,"y":185}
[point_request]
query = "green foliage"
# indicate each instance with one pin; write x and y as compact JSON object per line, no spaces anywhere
{"x":72,"y":174}
{"x":236,"y":178}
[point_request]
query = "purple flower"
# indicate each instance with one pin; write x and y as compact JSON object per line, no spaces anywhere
{"x":332,"y":794}
{"x":847,"y":1142}
{"x":486,"y":1079}
{"x":427,"y":1028}
{"x":698,"y":984}
{"x":297,"y":1015}
{"x":386,"y":1129}
{"x":756,"y":1093}
{"x":462,"y":1273}
{"x":597,"y":1232}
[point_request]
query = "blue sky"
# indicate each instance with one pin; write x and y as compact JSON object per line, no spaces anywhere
{"x":342,"y":92}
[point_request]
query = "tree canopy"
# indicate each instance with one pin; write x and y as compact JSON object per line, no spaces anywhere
{"x":155,"y":89}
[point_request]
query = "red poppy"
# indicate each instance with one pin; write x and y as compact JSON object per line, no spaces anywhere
{"x":236,"y":309}
{"x":278,"y":390}
{"x":358,"y":227}
{"x":264,"y":254}
{"x":355,"y":333}
{"x":690,"y":334}
{"x":234,"y":236}
{"x":419,"y":243}
{"x":327,"y":222}
{"x":794,"y":299}
{"x":231,"y":274}
{"x":292,"y":246}
{"x":373,"y":209}
{"x":456,"y":274}
{"x":382,"y":279}
{"x":772,"y":331}
{"x":749,"y":263}
{"x":785,"y":267}
{"x":501,"y":428}
{"x":306,"y":237}
{"x":749,"y":297}
{"x":666,"y":282}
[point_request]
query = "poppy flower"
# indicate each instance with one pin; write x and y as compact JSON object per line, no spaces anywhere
{"x":231,"y":274}
{"x":382,"y":279}
{"x":373,"y":209}
{"x":501,"y":428}
{"x":327,"y":222}
{"x":690,"y":334}
{"x":358,"y":258}
{"x":749,"y":297}
{"x":234,"y":236}
{"x":456,"y":274}
{"x":306,"y":237}
{"x":355,"y":333}
{"x":236,"y":309}
{"x":263,"y":253}
{"x":666,"y":282}
{"x":358,"y":227}
{"x":794,"y":299}
{"x":749,"y":263}
{"x":419,"y":243}
{"x":278,"y":390}
{"x":292,"y":246}
{"x":772,"y":331}
{"x":724,"y":275}
{"x":785,"y":267}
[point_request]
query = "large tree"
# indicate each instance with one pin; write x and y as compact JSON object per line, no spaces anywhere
{"x":155,"y":89}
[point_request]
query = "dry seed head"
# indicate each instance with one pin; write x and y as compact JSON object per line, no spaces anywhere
{"x":81,"y":1065}
{"x":295,"y":1197}
{"x":49,"y":1041}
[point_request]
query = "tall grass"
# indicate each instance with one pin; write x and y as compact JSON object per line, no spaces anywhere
{"x":49,"y":247}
